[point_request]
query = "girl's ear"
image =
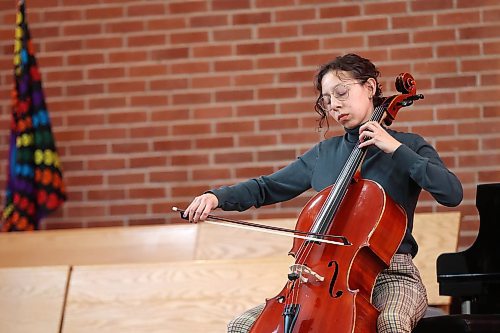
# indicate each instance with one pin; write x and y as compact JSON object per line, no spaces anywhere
{"x":371,"y":84}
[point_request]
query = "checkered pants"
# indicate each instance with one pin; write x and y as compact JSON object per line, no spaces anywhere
{"x":398,"y":293}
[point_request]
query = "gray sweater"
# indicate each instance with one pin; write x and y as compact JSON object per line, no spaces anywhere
{"x":414,"y":166}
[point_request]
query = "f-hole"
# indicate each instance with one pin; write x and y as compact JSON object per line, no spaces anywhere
{"x":334,"y":279}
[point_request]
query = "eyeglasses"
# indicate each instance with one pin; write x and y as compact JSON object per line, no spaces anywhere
{"x":340,"y":92}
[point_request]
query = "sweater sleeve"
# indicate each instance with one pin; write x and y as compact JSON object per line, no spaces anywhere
{"x":424,"y":166}
{"x":282,"y":185}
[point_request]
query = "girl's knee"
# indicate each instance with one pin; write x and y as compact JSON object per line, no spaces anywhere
{"x":392,"y":322}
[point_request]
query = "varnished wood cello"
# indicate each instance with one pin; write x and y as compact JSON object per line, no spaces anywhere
{"x":330,"y":286}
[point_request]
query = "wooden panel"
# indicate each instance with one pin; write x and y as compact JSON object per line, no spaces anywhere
{"x":98,"y":246}
{"x":220,"y":242}
{"x":32,"y":298}
{"x":197,"y":296}
{"x":435,"y":233}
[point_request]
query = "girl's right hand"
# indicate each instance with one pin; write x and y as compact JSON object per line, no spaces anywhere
{"x":200,"y":207}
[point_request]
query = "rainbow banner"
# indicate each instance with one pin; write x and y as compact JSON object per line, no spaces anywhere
{"x":34,"y":178}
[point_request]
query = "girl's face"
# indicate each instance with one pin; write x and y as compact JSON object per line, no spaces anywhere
{"x":347,"y":101}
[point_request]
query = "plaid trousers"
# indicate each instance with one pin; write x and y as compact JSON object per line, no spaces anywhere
{"x":399,"y":294}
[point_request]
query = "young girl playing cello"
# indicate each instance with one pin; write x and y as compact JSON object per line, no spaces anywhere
{"x":402,"y":163}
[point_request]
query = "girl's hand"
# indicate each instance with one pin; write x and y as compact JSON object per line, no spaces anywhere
{"x":200,"y":207}
{"x":372,"y":133}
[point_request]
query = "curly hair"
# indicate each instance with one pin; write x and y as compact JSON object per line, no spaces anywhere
{"x":361,"y":70}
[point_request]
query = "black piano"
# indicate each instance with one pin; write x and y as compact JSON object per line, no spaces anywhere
{"x":472,"y":277}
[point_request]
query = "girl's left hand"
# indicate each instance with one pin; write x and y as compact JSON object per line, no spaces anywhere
{"x":372,"y":133}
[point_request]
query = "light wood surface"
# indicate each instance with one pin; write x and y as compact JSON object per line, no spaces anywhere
{"x":180,"y":297}
{"x":219,"y":242}
{"x":98,"y":246}
{"x":435,"y":233}
{"x":32,"y":299}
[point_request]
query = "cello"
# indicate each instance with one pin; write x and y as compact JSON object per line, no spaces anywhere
{"x":330,"y":286}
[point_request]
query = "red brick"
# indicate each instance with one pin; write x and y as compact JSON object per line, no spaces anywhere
{"x":126,"y":179}
{"x":458,"y":112}
{"x":368,"y":24}
{"x":230,"y":4}
{"x":170,"y":23}
{"x":340,"y":11}
{"x":128,"y":209}
{"x":106,"y":164}
{"x":277,"y":62}
{"x":147,"y":162}
{"x":385,"y":7}
{"x":233,"y":65}
{"x":274,"y":3}
{"x":456,"y":145}
{"x":146,"y":9}
{"x":276,"y":155}
{"x":435,"y":130}
{"x":476,"y":127}
{"x":252,"y":18}
{"x":286,"y":31}
{"x":212,"y":51}
{"x":257,"y":140}
{"x":190,"y":67}
{"x":82,"y":29}
{"x":254,"y":79}
{"x":168,"y":54}
{"x":99,"y":13}
{"x":456,"y":81}
{"x":468,"y":17}
{"x":102,"y":42}
{"x":211,"y":174}
{"x":208,"y":21}
{"x":212,"y":112}
{"x":134,"y":147}
{"x":214,"y":143}
{"x":188,"y":7}
{"x":235,"y":127}
{"x":431,"y":5}
{"x":172,"y":145}
{"x":146,"y":193}
{"x":108,"y":194}
{"x":412,"y":21}
{"x":477,"y":65}
{"x":145,"y":40}
{"x":299,"y":46}
{"x":168,"y":176}
{"x":232,"y":34}
{"x":255,"y":48}
{"x":122,"y":27}
{"x":93,"y":149}
{"x":192,"y":129}
{"x":189,"y":37}
{"x":490,"y":31}
{"x":479,"y":96}
{"x":426,"y":36}
{"x":253,"y":172}
{"x":302,"y":14}
{"x":231,"y":158}
{"x":234,"y":95}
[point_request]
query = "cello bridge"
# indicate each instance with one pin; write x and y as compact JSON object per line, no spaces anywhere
{"x":305,"y":273}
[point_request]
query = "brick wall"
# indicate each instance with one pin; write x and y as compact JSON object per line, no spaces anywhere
{"x":153,"y":102}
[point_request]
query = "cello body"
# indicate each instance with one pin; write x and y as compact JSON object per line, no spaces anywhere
{"x":337,"y":296}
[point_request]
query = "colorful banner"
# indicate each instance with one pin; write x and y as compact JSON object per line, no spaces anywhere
{"x":34,"y":184}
